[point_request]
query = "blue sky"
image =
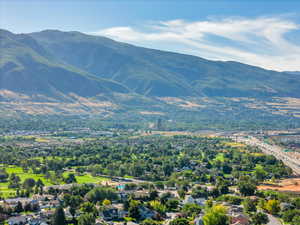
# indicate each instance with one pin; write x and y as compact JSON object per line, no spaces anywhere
{"x":259,"y":32}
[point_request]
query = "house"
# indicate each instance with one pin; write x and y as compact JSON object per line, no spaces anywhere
{"x":190,"y":200}
{"x":110,"y":214}
{"x":140,"y":195}
{"x":14,"y":201}
{"x":147,"y":213}
{"x":240,"y":219}
{"x":235,"y":209}
{"x":17,"y":220}
{"x":46,"y":214}
{"x":36,"y":221}
{"x":286,"y":206}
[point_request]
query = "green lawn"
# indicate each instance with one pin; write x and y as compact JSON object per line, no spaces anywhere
{"x":87,"y":178}
{"x":19,"y":171}
{"x":220,"y":157}
{"x":7,"y":192}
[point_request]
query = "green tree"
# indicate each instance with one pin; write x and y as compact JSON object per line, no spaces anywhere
{"x":133,"y":210}
{"x":191,"y":209}
{"x":59,"y":217}
{"x":246,"y":188}
{"x":29,"y":183}
{"x":88,"y":207}
{"x":273,"y":206}
{"x":259,"y":218}
{"x":70,"y":178}
{"x":149,"y":222}
{"x":101,"y":193}
{"x":259,"y":173}
{"x":289,"y":215}
{"x":296,"y":220}
{"x":296,"y":203}
{"x":158,"y":206}
{"x":19,"y":207}
{"x":3,"y":175}
{"x":86,"y":219}
{"x":180,"y":221}
{"x":39,"y":183}
{"x":106,"y":202}
{"x":249,"y":205}
{"x":172,"y":204}
{"x":216,"y":216}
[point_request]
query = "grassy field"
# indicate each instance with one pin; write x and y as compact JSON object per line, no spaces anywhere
{"x":7,"y":192}
{"x":87,"y":178}
{"x":24,"y":175}
{"x":220,"y":157}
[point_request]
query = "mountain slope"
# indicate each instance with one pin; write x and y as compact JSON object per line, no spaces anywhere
{"x":27,"y":67}
{"x":159,"y":73}
{"x":70,"y":73}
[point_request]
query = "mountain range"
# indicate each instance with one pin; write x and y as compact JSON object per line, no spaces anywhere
{"x":73,"y":67}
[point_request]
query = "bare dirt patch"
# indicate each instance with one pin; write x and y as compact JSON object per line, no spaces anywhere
{"x":288,"y":185}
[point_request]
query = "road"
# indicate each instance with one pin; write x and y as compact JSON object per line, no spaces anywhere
{"x":273,"y":220}
{"x":274,"y":150}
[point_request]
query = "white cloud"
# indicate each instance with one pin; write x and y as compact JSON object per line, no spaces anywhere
{"x":259,"y":41}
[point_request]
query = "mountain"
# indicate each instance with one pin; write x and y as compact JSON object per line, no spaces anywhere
{"x":51,"y":62}
{"x":27,"y":67}
{"x":293,"y":72}
{"x":159,"y":73}
{"x":55,"y":72}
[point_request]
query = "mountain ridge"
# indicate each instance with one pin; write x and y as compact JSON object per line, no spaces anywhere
{"x":96,"y":74}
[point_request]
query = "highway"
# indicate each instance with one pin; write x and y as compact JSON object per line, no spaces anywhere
{"x":274,"y":150}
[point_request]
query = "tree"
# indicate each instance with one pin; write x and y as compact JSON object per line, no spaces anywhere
{"x":149,"y":222}
{"x":216,"y":216}
{"x":165,"y":196}
{"x":86,"y":219}
{"x":191,"y":209}
{"x":101,"y":193}
{"x":180,"y":221}
{"x":71,"y":178}
{"x":29,"y":183}
{"x":181,"y":193}
{"x":296,"y":220}
{"x":72,"y":211}
{"x":59,"y":217}
{"x":14,"y":181}
{"x":259,"y":173}
{"x":19,"y":207}
{"x":3,"y":175}
{"x":133,"y":210}
{"x":249,"y":205}
{"x":296,"y":203}
{"x":153,"y":194}
{"x":289,"y":215}
{"x":158,"y":206}
{"x":246,"y":188}
{"x":172,"y":204}
{"x":273,"y":206}
{"x":39,"y":183}
{"x":88,"y":207}
{"x":106,"y":202}
{"x":259,"y":219}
